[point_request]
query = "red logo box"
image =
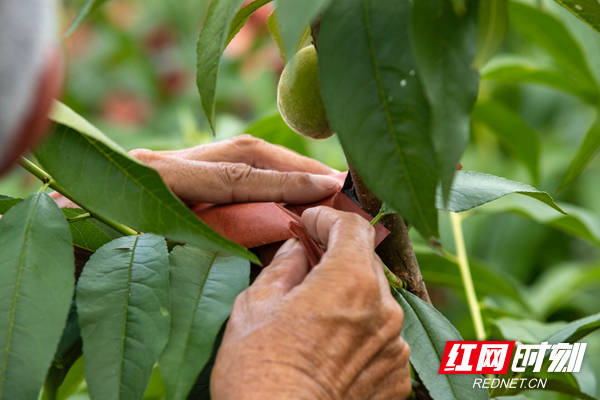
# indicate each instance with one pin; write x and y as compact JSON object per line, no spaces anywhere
{"x":477,"y":357}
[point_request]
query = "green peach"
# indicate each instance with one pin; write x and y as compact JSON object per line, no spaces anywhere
{"x":299,"y":96}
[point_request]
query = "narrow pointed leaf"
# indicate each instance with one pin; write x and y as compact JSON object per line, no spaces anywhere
{"x":473,"y":189}
{"x":586,"y":152}
{"x":203,"y":287}
{"x":36,"y":275}
{"x":104,"y":179}
{"x":443,"y":270}
{"x":509,"y":69}
{"x":6,"y":203}
{"x":89,"y":7}
{"x":576,"y":330}
{"x":586,"y":10}
{"x":294,"y":17}
{"x":426,"y":331}
{"x":242,"y":16}
{"x":578,"y":222}
{"x":211,"y":44}
{"x":377,"y":106}
{"x":444,"y":48}
{"x":122,"y":305}
{"x":513,"y":132}
{"x":550,"y":33}
{"x":492,"y":21}
{"x":89,"y":233}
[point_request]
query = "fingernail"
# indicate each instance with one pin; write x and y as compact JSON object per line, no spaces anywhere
{"x":287,"y":246}
{"x":326,"y":182}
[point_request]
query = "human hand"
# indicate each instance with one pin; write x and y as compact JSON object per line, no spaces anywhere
{"x":241,"y":169}
{"x":333,"y":333}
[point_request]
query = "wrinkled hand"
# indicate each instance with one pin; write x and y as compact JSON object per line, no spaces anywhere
{"x":241,"y":169}
{"x":333,"y":333}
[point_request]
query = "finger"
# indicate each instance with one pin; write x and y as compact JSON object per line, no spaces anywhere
{"x":253,"y":151}
{"x":287,"y":270}
{"x":233,"y":183}
{"x":345,"y":235}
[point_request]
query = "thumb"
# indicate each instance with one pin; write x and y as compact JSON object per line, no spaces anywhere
{"x":287,"y":270}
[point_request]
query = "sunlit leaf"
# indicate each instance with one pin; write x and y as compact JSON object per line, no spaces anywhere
{"x":509,"y":69}
{"x":36,"y":271}
{"x":586,"y":10}
{"x":426,"y":331}
{"x":274,"y":130}
{"x":492,"y":20}
{"x":99,"y":175}
{"x":123,"y":310}
{"x":578,"y":222}
{"x":557,"y":286}
{"x":472,"y":189}
{"x":443,"y":270}
{"x":547,"y":31}
{"x":588,"y":148}
{"x":514,"y":133}
{"x":526,"y":330}
{"x":211,"y":43}
{"x":203,"y":288}
{"x":576,"y":330}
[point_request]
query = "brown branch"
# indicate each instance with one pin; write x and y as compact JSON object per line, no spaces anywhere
{"x":396,"y":250}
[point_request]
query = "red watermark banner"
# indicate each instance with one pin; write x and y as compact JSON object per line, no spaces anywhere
{"x":481,"y":357}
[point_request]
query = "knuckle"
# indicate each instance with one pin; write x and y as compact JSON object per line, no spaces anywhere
{"x":141,"y":154}
{"x":246,"y":141}
{"x":235,"y":172}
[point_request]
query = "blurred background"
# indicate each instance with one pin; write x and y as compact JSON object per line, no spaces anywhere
{"x":130,"y":70}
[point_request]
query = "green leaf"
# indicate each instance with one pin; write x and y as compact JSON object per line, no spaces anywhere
{"x":444,"y":48}
{"x":89,"y":233}
{"x":585,"y":153}
{"x":472,"y":189}
{"x":586,"y":10}
{"x":211,"y":43}
{"x":294,"y":17}
{"x":89,"y":7}
{"x":273,"y":25}
{"x":107,"y":181}
{"x":492,"y":21}
{"x":377,"y":106}
{"x":274,"y":130}
{"x":6,"y":203}
{"x":443,"y":270}
{"x":578,"y":222}
{"x":203,"y":288}
{"x":548,"y":32}
{"x":426,"y":331}
{"x":557,"y":286}
{"x":514,"y":133}
{"x":67,"y":353}
{"x":525,"y":330}
{"x":36,"y":271}
{"x":122,"y":305}
{"x":242,"y":16}
{"x":576,"y":330}
{"x":510,"y":69}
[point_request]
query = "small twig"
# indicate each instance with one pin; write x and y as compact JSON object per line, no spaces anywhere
{"x":465,"y":273}
{"x":45,"y":177}
{"x":79,"y":217}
